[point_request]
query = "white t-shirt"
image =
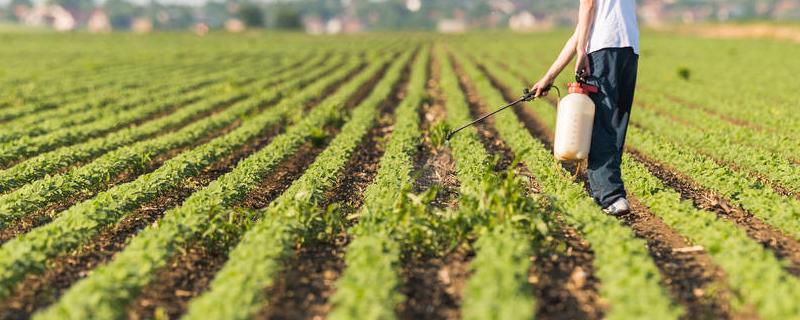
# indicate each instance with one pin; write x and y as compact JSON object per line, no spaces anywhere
{"x":614,"y":26}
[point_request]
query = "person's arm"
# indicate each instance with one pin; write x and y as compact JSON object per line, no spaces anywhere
{"x":578,"y":40}
{"x":543,"y":85}
{"x":585,"y":17}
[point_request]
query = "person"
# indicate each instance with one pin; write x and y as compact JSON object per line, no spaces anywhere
{"x":605,"y":45}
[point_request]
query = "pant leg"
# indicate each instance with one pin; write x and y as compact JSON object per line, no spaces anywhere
{"x":614,"y":72}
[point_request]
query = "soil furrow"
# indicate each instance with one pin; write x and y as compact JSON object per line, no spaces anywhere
{"x":433,"y":285}
{"x":564,"y":281}
{"x":43,"y":216}
{"x":37,"y":291}
{"x":303,"y":288}
{"x":692,"y":277}
{"x":784,"y":246}
{"x":434,"y":166}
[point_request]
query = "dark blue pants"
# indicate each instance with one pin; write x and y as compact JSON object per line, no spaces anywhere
{"x":614,"y":71}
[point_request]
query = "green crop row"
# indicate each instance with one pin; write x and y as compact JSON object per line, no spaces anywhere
{"x":42,"y":109}
{"x":373,"y":256}
{"x":47,"y":163}
{"x":102,"y":106}
{"x":80,"y":222}
{"x":630,"y":278}
{"x":722,"y":132}
{"x":237,"y":292}
{"x":755,"y":197}
{"x":24,"y":106}
{"x":92,"y":177}
{"x":32,"y":96}
{"x":26,"y":147}
{"x":756,"y":277}
{"x":116,"y":283}
{"x":719,"y":146}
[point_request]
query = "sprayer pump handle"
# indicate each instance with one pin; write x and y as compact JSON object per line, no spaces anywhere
{"x":527,"y":94}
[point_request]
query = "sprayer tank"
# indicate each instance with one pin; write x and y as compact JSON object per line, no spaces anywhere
{"x":574,"y":125}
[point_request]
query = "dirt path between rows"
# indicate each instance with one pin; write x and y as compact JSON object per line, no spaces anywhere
{"x":434,"y":166}
{"x":432,"y":285}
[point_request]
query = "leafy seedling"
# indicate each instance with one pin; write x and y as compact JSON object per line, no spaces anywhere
{"x":684,"y":73}
{"x":438,"y":134}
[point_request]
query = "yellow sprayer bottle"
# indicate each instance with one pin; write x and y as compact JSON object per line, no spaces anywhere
{"x":574,"y":123}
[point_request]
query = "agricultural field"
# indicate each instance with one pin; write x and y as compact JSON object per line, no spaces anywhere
{"x":287,"y":176}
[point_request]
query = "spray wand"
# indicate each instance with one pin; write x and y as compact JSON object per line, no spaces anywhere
{"x":527,"y":95}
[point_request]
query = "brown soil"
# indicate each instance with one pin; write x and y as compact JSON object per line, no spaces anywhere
{"x":433,"y":286}
{"x":564,"y":280}
{"x":37,"y":291}
{"x":304,"y":287}
{"x":784,"y":246}
{"x":40,"y":217}
{"x":183,"y":279}
{"x":692,"y":278}
{"x":435,"y":166}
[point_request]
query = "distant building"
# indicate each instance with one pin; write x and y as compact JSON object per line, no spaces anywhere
{"x":652,"y":13}
{"x":53,"y":16}
{"x":142,"y":25}
{"x":526,"y":22}
{"x":352,"y":25}
{"x":234,"y":25}
{"x":99,"y":22}
{"x":313,"y":24}
{"x":451,"y":26}
{"x":333,"y":26}
{"x":200,"y":29}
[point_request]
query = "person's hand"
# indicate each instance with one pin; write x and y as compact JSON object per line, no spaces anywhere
{"x":541,"y":87}
{"x":582,"y":67}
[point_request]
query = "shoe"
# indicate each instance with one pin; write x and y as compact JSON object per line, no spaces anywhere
{"x":618,"y":208}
